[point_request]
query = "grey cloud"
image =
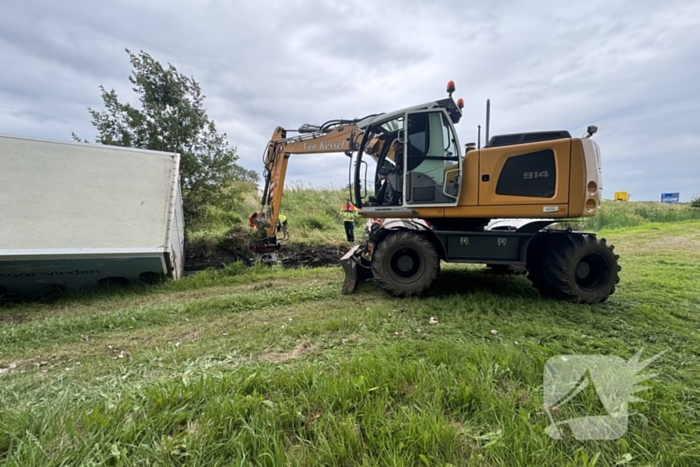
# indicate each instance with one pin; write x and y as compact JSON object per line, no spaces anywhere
{"x":631,"y":67}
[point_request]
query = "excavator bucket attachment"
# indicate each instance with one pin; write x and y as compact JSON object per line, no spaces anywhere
{"x":350,"y":263}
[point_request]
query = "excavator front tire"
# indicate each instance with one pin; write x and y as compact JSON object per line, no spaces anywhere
{"x":574,"y":267}
{"x":405,"y":264}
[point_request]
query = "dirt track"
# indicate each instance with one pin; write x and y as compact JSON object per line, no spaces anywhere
{"x":291,"y":255}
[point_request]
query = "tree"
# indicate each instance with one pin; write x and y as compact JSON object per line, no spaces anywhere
{"x":695,"y":202}
{"x":172,"y":118}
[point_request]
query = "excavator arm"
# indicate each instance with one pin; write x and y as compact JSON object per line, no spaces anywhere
{"x":335,"y":136}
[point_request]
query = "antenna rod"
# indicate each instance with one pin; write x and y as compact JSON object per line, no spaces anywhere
{"x":488,"y":119}
{"x":479,"y":137}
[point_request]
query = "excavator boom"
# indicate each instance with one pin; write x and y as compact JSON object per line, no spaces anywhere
{"x":333,"y":137}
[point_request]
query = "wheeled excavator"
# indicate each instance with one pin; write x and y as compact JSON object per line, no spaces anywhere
{"x":438,"y":200}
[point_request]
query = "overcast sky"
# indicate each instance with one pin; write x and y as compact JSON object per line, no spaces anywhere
{"x":632,"y":68}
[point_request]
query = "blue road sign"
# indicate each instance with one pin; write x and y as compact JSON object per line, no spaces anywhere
{"x":670,"y":198}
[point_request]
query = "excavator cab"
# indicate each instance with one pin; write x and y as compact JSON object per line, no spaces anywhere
{"x":417,"y":157}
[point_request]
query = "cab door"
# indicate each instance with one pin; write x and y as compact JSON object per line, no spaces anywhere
{"x":431,"y":163}
{"x":531,"y":173}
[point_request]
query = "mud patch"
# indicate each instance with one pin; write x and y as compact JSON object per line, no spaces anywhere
{"x":235,"y":246}
{"x":686,"y":243}
{"x":352,"y":339}
{"x":4,"y":369}
{"x":198,"y":259}
{"x":8,"y":319}
{"x":294,"y":255}
{"x":281,"y":357}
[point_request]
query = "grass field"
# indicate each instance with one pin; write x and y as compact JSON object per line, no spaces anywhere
{"x":275,"y":367}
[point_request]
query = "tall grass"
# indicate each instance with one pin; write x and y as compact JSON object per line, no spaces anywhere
{"x":616,"y":215}
{"x":313,"y":215}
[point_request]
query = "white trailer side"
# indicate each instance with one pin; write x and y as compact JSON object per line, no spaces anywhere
{"x":72,"y":214}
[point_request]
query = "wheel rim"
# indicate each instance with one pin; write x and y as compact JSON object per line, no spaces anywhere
{"x":591,"y":272}
{"x":405,"y":264}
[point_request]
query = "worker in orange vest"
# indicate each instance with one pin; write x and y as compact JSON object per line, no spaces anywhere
{"x":349,"y":213}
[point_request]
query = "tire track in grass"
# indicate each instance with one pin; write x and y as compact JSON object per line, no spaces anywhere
{"x":73,"y":329}
{"x":90,"y":301}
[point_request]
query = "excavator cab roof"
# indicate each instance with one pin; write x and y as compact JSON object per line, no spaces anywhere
{"x":448,"y":104}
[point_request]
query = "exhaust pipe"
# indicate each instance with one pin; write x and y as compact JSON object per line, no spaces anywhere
{"x":488,"y":121}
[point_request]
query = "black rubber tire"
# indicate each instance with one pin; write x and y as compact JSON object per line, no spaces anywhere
{"x":578,"y":268}
{"x":405,"y":264}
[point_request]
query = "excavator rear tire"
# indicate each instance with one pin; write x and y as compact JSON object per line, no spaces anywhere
{"x":577,"y":268}
{"x":405,"y":264}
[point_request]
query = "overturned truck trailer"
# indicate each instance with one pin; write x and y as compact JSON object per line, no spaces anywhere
{"x":75,"y":215}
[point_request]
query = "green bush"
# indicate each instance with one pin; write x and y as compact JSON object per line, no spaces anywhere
{"x":695,"y":202}
{"x":237,"y":239}
{"x":244,"y":200}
